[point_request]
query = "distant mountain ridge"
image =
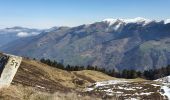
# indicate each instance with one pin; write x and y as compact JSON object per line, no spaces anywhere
{"x":138,"y":44}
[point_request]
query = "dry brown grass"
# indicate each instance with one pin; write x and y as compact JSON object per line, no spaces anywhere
{"x":136,"y":80}
{"x":61,"y":76}
{"x":33,"y":73}
{"x":94,"y":75}
{"x":37,"y":81}
{"x":19,"y":92}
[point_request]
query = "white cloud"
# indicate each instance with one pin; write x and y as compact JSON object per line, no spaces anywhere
{"x":22,"y":34}
{"x":26,"y":34}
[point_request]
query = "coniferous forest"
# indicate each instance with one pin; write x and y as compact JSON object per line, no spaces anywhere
{"x":151,"y":74}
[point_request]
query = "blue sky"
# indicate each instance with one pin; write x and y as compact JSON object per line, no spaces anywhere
{"x":48,"y":13}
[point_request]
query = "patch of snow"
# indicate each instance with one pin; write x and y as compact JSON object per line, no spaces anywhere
{"x":139,"y":87}
{"x":120,"y":87}
{"x":164,"y":79}
{"x":155,"y":84}
{"x":136,"y":94}
{"x":117,"y":26}
{"x":40,"y":86}
{"x":89,"y":89}
{"x":165,"y":85}
{"x":105,"y":84}
{"x":125,"y":88}
{"x":145,"y":93}
{"x":167,"y":91}
{"x":119,"y":92}
{"x":110,"y":82}
{"x":110,"y":21}
{"x":108,"y":90}
{"x":129,"y":89}
{"x":138,"y":20}
{"x":166,"y":21}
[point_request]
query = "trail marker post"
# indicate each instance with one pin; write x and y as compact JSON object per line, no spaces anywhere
{"x":9,"y":65}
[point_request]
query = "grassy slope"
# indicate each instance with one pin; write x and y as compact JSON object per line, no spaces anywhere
{"x":46,"y":78}
{"x":20,"y":92}
{"x":93,"y":75}
{"x":35,"y":80}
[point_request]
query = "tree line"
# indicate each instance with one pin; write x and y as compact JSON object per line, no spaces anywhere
{"x":151,"y":74}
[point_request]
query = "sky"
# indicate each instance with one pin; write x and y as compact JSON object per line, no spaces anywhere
{"x":49,"y":13}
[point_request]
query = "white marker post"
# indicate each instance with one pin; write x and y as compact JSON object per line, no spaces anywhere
{"x":9,"y":70}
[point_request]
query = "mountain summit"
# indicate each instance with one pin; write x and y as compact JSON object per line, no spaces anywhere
{"x":126,"y":21}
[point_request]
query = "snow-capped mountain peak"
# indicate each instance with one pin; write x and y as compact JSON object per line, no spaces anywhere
{"x":110,"y":21}
{"x":137,"y":20}
{"x":167,"y":21}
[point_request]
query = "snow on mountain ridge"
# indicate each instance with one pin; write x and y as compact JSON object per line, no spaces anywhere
{"x":117,"y":23}
{"x":138,"y":20}
{"x":110,"y":21}
{"x":167,"y":21}
{"x":126,"y":21}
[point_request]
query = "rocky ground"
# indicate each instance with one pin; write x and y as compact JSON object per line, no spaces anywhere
{"x":125,"y":89}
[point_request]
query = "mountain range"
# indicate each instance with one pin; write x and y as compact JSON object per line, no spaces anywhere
{"x":138,"y":44}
